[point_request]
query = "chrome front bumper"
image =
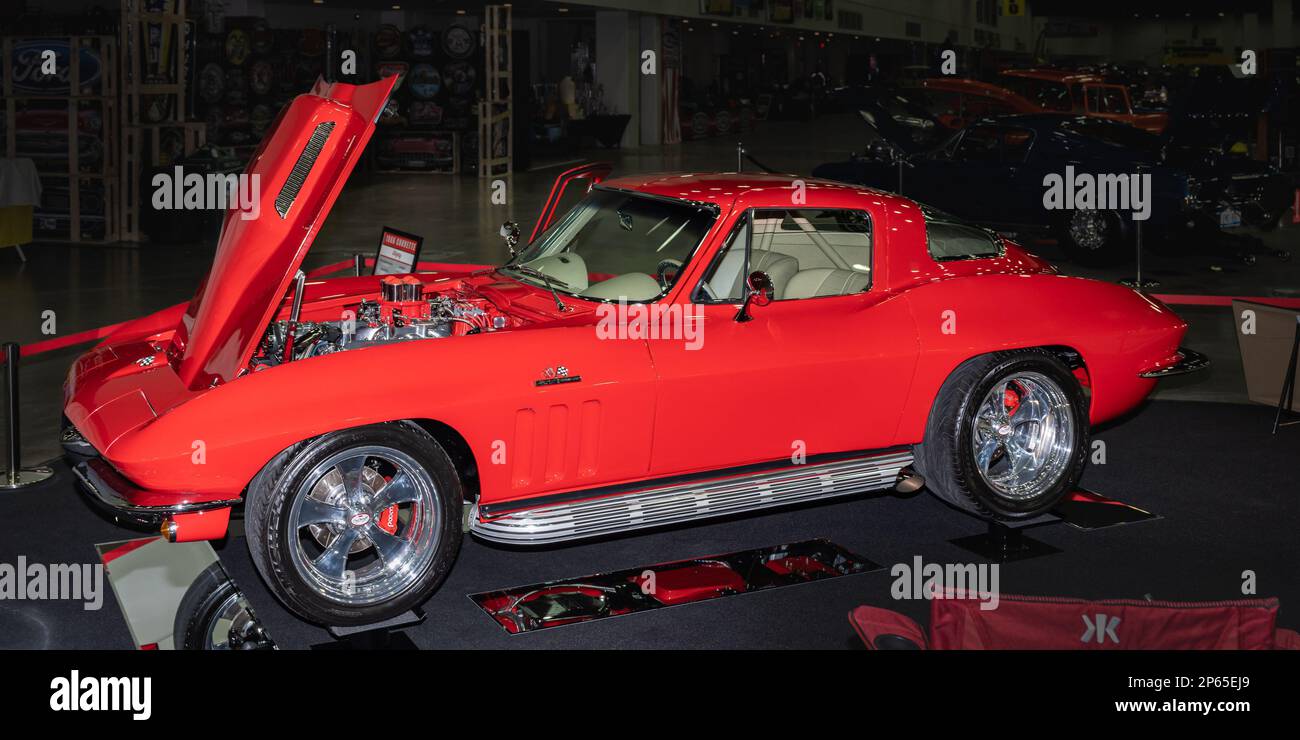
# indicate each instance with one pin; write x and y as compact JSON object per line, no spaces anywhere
{"x":113,"y":494}
{"x":1189,"y":362}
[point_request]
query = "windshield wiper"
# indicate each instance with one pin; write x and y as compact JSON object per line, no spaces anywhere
{"x":550,"y":283}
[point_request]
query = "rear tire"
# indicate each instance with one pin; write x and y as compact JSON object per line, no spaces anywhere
{"x":1007,"y":437}
{"x":357,"y":526}
{"x":1094,"y":238}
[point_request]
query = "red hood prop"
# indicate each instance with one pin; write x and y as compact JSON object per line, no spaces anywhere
{"x":300,"y":168}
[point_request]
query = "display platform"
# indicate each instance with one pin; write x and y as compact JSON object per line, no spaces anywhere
{"x":1216,"y":528}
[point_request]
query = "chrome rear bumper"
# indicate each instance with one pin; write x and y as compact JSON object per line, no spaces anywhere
{"x":1188,"y":362}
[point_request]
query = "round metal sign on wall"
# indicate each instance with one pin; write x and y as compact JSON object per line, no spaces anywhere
{"x":459,"y":42}
{"x":423,"y":42}
{"x":460,"y":77}
{"x":212,"y":82}
{"x":237,"y":47}
{"x":388,"y":42}
{"x":426,"y":81}
{"x":261,"y":77}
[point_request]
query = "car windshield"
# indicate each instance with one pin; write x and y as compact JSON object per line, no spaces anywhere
{"x":615,"y":245}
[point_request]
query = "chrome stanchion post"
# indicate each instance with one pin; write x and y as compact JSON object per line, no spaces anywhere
{"x":1138,"y":270}
{"x":359,"y":264}
{"x":1137,"y":282}
{"x":15,"y":475}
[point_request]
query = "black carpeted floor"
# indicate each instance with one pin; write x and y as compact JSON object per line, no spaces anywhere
{"x":1226,"y":489}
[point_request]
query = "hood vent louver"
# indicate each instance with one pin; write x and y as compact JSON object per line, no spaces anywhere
{"x":297,"y":176}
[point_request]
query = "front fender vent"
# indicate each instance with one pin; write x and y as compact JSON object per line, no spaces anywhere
{"x":298,"y":175}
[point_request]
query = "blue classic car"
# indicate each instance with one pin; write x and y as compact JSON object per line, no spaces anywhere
{"x":1079,"y":180}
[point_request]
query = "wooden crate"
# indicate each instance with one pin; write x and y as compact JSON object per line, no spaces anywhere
{"x":140,"y":144}
{"x":106,"y":98}
{"x":496,"y":110}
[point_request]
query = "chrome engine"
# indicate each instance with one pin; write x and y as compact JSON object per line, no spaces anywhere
{"x":402,"y":313}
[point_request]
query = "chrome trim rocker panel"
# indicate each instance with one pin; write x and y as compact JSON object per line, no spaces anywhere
{"x":1191,"y":362}
{"x":693,"y":501}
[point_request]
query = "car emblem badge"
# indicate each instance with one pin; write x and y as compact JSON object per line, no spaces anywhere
{"x":557,"y":376}
{"x":145,"y":361}
{"x":360,"y":519}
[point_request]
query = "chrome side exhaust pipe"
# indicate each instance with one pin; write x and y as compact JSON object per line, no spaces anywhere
{"x":909,"y":481}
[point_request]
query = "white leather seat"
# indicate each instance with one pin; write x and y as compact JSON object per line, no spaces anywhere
{"x":821,"y":281}
{"x":726,"y":280}
{"x":779,"y":267}
{"x":630,"y":286}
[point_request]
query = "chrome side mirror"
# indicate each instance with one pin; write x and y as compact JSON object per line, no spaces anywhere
{"x":759,"y":291}
{"x":510,"y":232}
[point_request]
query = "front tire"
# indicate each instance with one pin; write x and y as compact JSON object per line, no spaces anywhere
{"x":214,"y":615}
{"x":1007,"y":437}
{"x":357,"y":526}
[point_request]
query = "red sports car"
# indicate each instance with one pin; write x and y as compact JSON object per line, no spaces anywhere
{"x":672,"y":348}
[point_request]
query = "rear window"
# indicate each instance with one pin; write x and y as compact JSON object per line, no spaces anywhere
{"x":1106,"y":99}
{"x":1046,"y":93}
{"x":949,"y":238}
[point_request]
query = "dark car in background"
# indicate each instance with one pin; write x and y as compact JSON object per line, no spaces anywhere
{"x":905,"y":117}
{"x":993,"y":173}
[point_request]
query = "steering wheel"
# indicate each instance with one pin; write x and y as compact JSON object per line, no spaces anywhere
{"x":661,"y":270}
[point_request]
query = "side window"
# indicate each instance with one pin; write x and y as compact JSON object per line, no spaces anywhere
{"x":980,"y":144}
{"x":1107,"y":100}
{"x":1093,"y":96}
{"x":723,"y":283}
{"x":995,"y":144}
{"x":807,"y":253}
{"x":949,"y":238}
{"x":1016,"y":143}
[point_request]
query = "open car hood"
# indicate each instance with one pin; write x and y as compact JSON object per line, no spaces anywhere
{"x":300,"y":168}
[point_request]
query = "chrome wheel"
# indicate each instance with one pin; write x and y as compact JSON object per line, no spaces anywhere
{"x":363,"y":526}
{"x":1089,"y":228}
{"x":234,"y":627}
{"x":1024,"y":434}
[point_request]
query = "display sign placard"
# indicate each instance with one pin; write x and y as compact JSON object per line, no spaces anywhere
{"x":1265,"y":336}
{"x":398,"y":252}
